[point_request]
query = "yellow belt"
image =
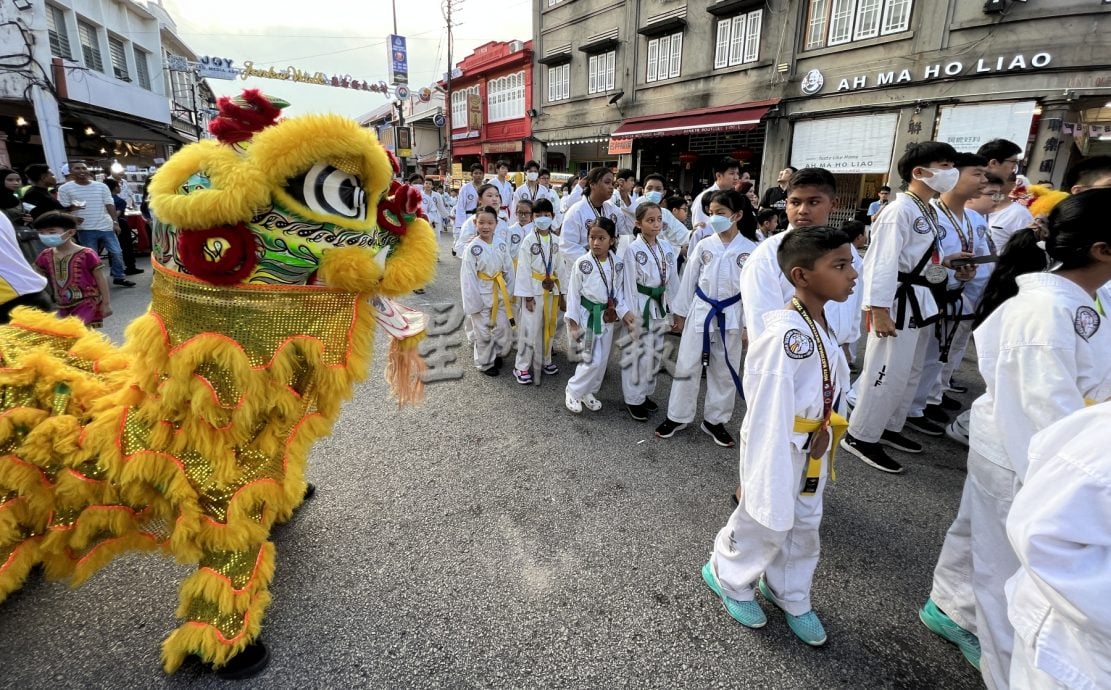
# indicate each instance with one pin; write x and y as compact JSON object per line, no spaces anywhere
{"x":551,"y":309}
{"x":499,"y":289}
{"x":838,"y":425}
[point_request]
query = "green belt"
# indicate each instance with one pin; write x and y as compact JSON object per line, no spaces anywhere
{"x":653,"y":293}
{"x":594,"y":322}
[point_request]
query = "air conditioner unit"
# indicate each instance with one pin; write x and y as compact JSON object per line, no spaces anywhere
{"x":516,"y":46}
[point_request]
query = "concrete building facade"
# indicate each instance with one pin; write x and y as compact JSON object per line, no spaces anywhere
{"x":846,"y":84}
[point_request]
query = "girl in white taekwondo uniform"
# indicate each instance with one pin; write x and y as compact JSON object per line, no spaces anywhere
{"x":538,"y":289}
{"x":1060,"y":528}
{"x":811,"y":196}
{"x":795,"y":374}
{"x":651,"y":282}
{"x":486,"y":281}
{"x":673,"y":229}
{"x":708,"y":309}
{"x":902,"y":268}
{"x":580,"y":217}
{"x":623,"y":197}
{"x":595,"y":302}
{"x":466,"y":203}
{"x":1043,"y":353}
{"x":488,"y":196}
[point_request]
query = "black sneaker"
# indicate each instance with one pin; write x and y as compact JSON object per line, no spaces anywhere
{"x":951,"y":404}
{"x":719,"y":434}
{"x":133,"y":271}
{"x":638,"y":412}
{"x":894,"y":439}
{"x":872,"y":454}
{"x":925,"y":426}
{"x":956,"y":387}
{"x":499,"y":362}
{"x":651,"y":406}
{"x":936,"y":414}
{"x":492,"y":371}
{"x":668,"y":428}
{"x":123,"y":282}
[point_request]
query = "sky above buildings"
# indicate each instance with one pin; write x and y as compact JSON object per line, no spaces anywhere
{"x":339,"y":37}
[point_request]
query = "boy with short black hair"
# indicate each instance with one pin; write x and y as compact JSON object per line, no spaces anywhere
{"x":767,"y":222}
{"x":505,"y":188}
{"x":902,"y":269}
{"x":844,"y":317}
{"x":795,"y":375}
{"x":727,"y":171}
{"x":467,"y":201}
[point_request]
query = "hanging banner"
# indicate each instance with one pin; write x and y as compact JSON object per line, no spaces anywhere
{"x":967,"y":127}
{"x":398,"y":60}
{"x":842,"y":145}
{"x":474,"y":111}
{"x":216,"y":68}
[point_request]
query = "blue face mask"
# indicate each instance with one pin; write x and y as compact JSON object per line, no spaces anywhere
{"x":542,"y":222}
{"x":52,"y":240}
{"x":720,"y":223}
{"x":654,"y":196}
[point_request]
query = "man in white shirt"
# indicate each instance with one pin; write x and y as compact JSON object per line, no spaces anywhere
{"x":726,"y":172}
{"x":1008,"y":217}
{"x":91,"y":201}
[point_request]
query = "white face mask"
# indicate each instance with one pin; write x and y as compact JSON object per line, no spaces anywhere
{"x":720,"y":223}
{"x":532,"y":176}
{"x":943,"y":180}
{"x":542,"y":222}
{"x":654,"y":196}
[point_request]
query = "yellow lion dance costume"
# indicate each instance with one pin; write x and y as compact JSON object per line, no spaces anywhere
{"x":277,"y":248}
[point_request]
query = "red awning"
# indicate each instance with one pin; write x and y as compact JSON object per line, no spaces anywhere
{"x":734,"y":118}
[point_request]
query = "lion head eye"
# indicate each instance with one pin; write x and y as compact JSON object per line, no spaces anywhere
{"x":327,"y":190}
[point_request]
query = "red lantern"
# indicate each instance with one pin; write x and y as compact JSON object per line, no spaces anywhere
{"x":743,"y":154}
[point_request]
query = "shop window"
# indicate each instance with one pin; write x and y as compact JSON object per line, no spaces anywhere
{"x":459,"y":106}
{"x":119,"y":58}
{"x":505,"y":97}
{"x":664,"y":57}
{"x":56,"y":30}
{"x":600,"y":70}
{"x":836,"y":22}
{"x":559,"y":82}
{"x":738,"y":39}
{"x":142,"y":67}
{"x":90,"y":46}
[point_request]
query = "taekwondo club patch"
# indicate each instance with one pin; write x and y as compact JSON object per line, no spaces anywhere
{"x":619,"y":266}
{"x":670,"y":258}
{"x":921,"y":225}
{"x":707,"y":257}
{"x":982,"y":231}
{"x":586,"y":267}
{"x":942,"y":232}
{"x":476,"y":250}
{"x":642,"y":258}
{"x":741,"y":259}
{"x":515,"y":238}
{"x":1086,"y":322}
{"x":797,"y":344}
{"x":535,"y":249}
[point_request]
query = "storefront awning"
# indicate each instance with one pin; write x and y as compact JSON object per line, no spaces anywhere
{"x":737,"y":118}
{"x":122,"y":130}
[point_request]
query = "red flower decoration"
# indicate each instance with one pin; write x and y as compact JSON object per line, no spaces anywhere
{"x":232,"y":264}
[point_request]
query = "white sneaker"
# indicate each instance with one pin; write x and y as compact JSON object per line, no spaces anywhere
{"x":591,"y":403}
{"x":572,"y":404}
{"x":954,"y":433}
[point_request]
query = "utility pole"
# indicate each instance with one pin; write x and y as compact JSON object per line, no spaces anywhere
{"x":449,"y":5}
{"x":400,"y":109}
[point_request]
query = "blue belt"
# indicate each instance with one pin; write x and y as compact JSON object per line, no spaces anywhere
{"x":717,"y":309}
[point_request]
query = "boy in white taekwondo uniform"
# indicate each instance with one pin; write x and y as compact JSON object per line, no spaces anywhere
{"x":579,"y":218}
{"x":726,"y":173}
{"x":486,"y":281}
{"x":1060,"y":527}
{"x":595,"y":303}
{"x":958,"y":239}
{"x":708,"y":309}
{"x":505,"y":188}
{"x":795,"y":375}
{"x":651,"y":282}
{"x":623,"y":197}
{"x":1043,"y":354}
{"x":902,"y":269}
{"x":513,"y":236}
{"x":673,"y":229}
{"x":811,"y":197}
{"x":467,"y":202}
{"x":534,"y":190}
{"x":844,"y":317}
{"x":538,"y":289}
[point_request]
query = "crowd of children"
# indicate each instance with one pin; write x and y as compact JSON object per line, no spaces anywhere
{"x":952,"y":258}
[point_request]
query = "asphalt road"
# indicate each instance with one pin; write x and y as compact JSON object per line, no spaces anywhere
{"x":492,"y":539}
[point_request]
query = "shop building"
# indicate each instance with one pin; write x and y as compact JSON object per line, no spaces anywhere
{"x":491,"y":96}
{"x":845,"y":84}
{"x":423,"y":113}
{"x":87,"y":82}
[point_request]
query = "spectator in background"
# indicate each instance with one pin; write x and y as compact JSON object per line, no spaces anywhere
{"x":879,"y":204}
{"x":127,"y":242}
{"x":1093,"y":172}
{"x":776,"y":197}
{"x":91,"y":201}
{"x":38,"y":196}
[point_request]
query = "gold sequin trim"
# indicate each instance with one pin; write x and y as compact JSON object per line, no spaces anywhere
{"x":204,"y":611}
{"x":237,"y":566}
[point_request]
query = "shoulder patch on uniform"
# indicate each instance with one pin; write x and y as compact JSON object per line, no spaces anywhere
{"x":619,"y":266}
{"x":670,"y":258}
{"x":942,"y":231}
{"x":741,"y":259}
{"x":797,"y":344}
{"x":535,"y":249}
{"x":1086,"y":322}
{"x":642,"y":258}
{"x":476,"y":250}
{"x":921,"y":225}
{"x":515,"y":238}
{"x":707,"y":257}
{"x":982,"y":231}
{"x":586,"y":267}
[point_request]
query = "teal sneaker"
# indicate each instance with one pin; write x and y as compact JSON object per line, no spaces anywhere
{"x":747,"y":613}
{"x":943,"y":626}
{"x":806,"y":627}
